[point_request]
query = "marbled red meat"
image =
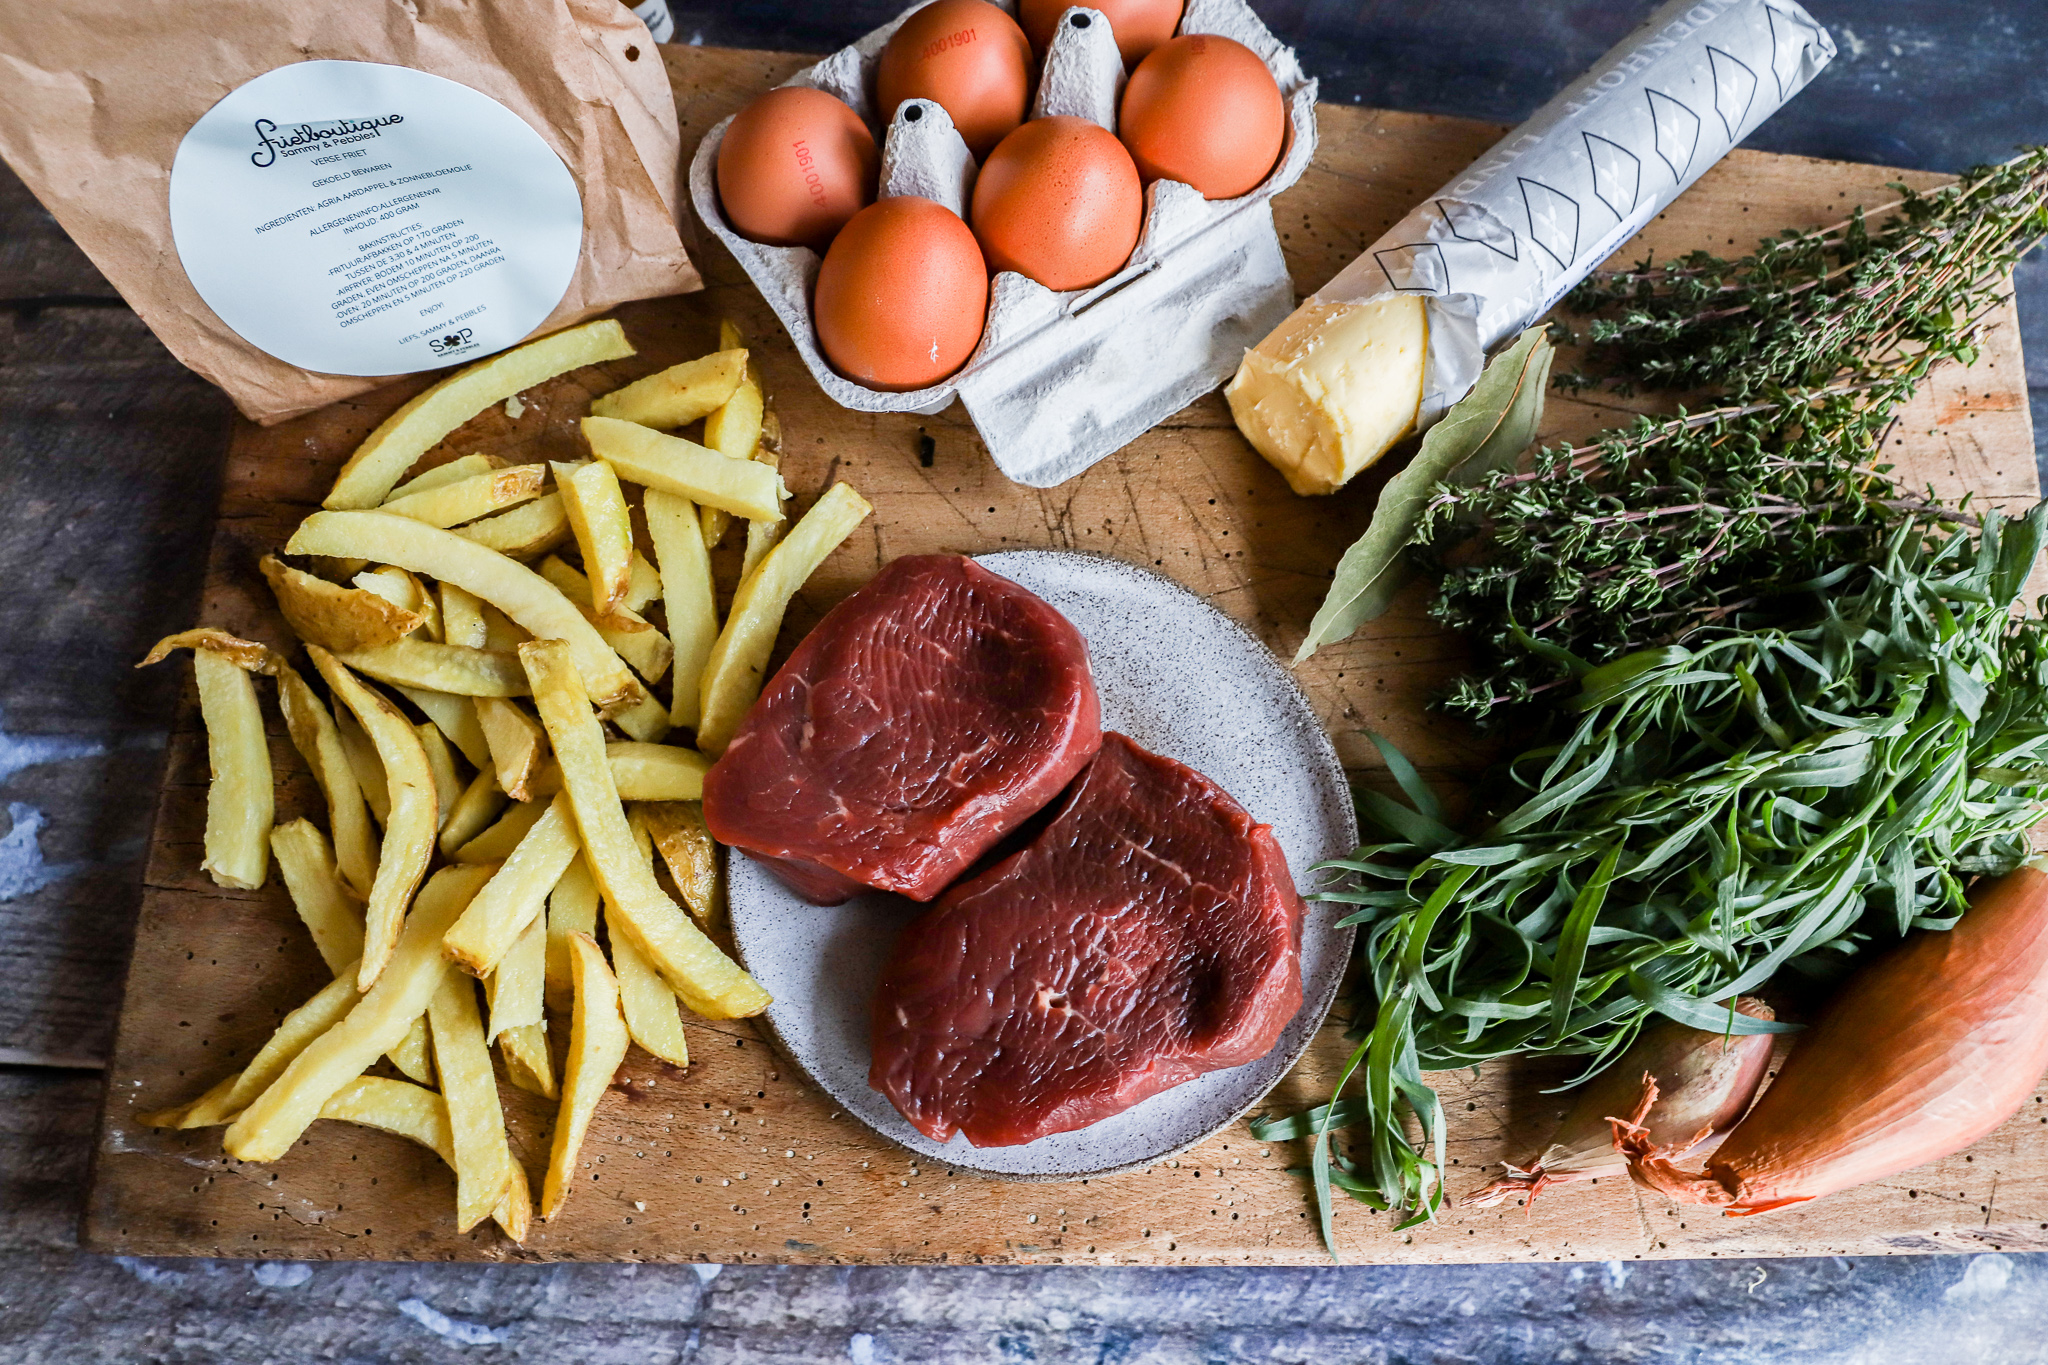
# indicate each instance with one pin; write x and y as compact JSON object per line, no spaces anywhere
{"x":928,"y":715}
{"x":1149,"y":934}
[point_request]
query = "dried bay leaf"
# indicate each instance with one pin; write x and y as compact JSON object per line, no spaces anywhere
{"x":1484,"y":431}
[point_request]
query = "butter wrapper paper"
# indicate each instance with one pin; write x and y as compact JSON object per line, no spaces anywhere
{"x":1496,"y":248}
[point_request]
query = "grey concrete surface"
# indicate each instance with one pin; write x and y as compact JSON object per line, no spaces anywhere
{"x":106,"y":449}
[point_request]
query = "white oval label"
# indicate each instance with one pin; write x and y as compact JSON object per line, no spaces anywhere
{"x":363,"y":219}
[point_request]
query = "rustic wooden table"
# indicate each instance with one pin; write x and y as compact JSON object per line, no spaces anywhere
{"x":111,"y":454}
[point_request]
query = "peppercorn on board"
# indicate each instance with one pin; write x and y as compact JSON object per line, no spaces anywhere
{"x":737,"y":1158}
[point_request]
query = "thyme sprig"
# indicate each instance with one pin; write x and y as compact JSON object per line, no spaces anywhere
{"x":1808,"y":309}
{"x":1808,"y":347}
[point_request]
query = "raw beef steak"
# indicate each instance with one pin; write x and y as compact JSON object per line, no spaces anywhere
{"x":1148,"y":934}
{"x":927,"y":716}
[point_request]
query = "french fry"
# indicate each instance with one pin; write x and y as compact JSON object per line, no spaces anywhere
{"x":706,"y":979}
{"x":626,"y":630}
{"x":518,"y":746}
{"x":514,"y":1214}
{"x":453,"y":471}
{"x":415,"y":811}
{"x":451,"y":504}
{"x":294,"y":1033}
{"x":380,"y":1018}
{"x":404,"y":591}
{"x":686,"y":593}
{"x":461,"y":467}
{"x":527,"y":1062}
{"x":652,"y":1018}
{"x":239,"y":803}
{"x":495,"y":844}
{"x":730,"y":339}
{"x":762,"y":536}
{"x":640,"y":771}
{"x":367,"y":768}
{"x":420,"y":1115}
{"x":474,"y":810}
{"x":713,"y":523}
{"x":332,"y":914}
{"x":483,"y":1159}
{"x":413,"y":662}
{"x":597,"y":1045}
{"x":603,"y":529}
{"x":739,"y":661}
{"x":318,"y":741}
{"x":656,"y":772}
{"x":528,"y":530}
{"x":462,"y":618}
{"x":734,"y":428}
{"x":516,"y":590}
{"x":502,"y":632}
{"x":516,"y":990}
{"x":441,"y":763}
{"x":678,"y":395}
{"x":454,"y":717}
{"x":396,"y":1107}
{"x":501,"y":911}
{"x":402,"y":438}
{"x":396,"y":586}
{"x":670,"y":463}
{"x":571,"y":582}
{"x":690,"y":854}
{"x":644,"y":585}
{"x":572,"y":909}
{"x":412,"y":1056}
{"x":245,"y":654}
{"x":332,"y":616}
{"x":207,"y":1106}
{"x":645,"y":720}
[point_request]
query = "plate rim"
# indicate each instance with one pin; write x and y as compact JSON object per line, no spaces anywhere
{"x":1342,"y":937}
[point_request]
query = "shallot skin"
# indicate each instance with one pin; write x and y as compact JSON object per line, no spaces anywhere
{"x":1707,"y":1081}
{"x":1921,"y":1054}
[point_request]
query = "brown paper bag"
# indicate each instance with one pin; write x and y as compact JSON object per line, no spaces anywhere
{"x":95,"y":102}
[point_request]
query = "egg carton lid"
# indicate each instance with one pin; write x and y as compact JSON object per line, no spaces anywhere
{"x":1060,"y":380}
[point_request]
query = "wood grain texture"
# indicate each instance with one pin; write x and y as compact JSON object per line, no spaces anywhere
{"x":37,"y":261}
{"x":736,"y":1159}
{"x":110,"y":451}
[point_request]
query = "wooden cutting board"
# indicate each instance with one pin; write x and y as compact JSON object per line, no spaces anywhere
{"x":736,"y":1158}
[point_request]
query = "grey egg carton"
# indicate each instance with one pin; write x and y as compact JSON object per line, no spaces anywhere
{"x":1060,"y":380}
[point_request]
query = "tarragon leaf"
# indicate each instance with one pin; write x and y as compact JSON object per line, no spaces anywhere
{"x":2020,"y":544}
{"x":1484,"y":431}
{"x":1693,"y":1011}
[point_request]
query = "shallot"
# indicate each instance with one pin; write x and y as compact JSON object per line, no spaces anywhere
{"x":1706,"y":1081}
{"x":1922,"y":1053}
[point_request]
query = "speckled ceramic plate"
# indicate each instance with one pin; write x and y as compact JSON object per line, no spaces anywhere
{"x":1181,"y":679}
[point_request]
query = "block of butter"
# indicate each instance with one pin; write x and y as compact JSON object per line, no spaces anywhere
{"x":1333,"y":388}
{"x":1402,"y":333}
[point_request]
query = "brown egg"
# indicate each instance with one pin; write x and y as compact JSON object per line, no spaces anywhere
{"x":1058,"y":201}
{"x":1139,"y":25}
{"x":794,"y":166}
{"x":902,"y":295}
{"x":1205,"y":111}
{"x":968,"y":57}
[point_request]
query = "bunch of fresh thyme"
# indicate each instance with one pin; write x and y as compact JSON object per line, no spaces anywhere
{"x":1659,"y":529}
{"x":1811,"y":309}
{"x":1753,"y":800}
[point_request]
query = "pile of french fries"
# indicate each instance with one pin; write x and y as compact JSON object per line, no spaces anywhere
{"x":492,"y":708}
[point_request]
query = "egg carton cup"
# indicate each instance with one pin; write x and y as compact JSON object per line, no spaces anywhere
{"x":1061,"y":379}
